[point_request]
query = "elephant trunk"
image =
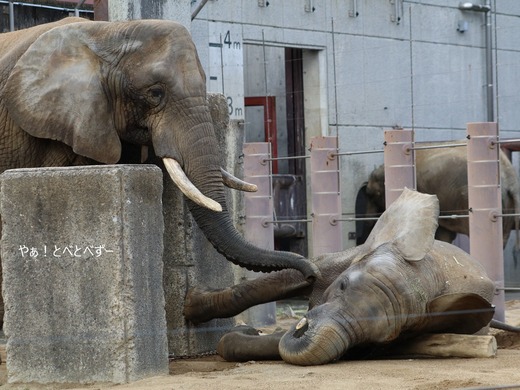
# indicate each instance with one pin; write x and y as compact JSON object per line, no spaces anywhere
{"x":318,"y":338}
{"x":197,"y":153}
{"x":220,"y":231}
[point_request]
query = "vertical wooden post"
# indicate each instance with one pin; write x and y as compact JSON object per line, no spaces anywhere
{"x":485,"y":204}
{"x":259,"y":210}
{"x":327,"y":232}
{"x":399,"y":163}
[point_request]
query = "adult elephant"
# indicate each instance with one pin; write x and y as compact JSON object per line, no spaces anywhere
{"x":443,"y":172}
{"x":75,"y":92}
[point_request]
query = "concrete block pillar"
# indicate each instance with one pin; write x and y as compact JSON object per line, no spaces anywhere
{"x":82,"y":274}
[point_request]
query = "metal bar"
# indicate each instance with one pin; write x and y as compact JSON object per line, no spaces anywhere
{"x":11,"y":16}
{"x":198,"y":9}
{"x":76,"y":9}
{"x":437,"y":146}
{"x":509,"y":288}
{"x":289,"y":221}
{"x":353,"y":12}
{"x":22,"y":4}
{"x":353,"y":219}
{"x":286,"y":158}
{"x":506,"y":141}
{"x":454,"y":216}
{"x":490,"y":97}
{"x":358,"y":152}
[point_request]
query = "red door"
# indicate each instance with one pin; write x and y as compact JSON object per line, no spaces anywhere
{"x":268,"y":103}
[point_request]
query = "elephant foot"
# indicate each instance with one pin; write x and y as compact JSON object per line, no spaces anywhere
{"x":244,"y":343}
{"x":199,"y":305}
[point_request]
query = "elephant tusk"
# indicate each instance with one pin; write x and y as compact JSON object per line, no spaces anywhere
{"x":301,"y":324}
{"x":186,"y":186}
{"x":237,"y":184}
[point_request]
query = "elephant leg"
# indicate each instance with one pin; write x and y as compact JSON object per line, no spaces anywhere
{"x":243,"y":345}
{"x":445,"y":235}
{"x":202,"y":305}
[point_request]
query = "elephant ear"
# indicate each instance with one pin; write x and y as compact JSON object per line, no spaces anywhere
{"x":409,"y":223}
{"x":463,"y":313}
{"x":55,"y":91}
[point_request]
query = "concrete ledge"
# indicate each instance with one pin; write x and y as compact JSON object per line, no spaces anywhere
{"x":82,"y":274}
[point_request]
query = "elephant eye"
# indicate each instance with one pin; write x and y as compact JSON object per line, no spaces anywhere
{"x":343,"y":285}
{"x":156,"y":94}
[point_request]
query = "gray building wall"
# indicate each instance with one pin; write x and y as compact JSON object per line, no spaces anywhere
{"x":404,"y":65}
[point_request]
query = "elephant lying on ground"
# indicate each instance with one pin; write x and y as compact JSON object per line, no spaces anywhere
{"x":400,"y":283}
{"x":443,"y":172}
{"x":77,"y":92}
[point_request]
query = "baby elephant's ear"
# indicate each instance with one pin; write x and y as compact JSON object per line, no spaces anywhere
{"x":56,"y":91}
{"x":409,"y":223}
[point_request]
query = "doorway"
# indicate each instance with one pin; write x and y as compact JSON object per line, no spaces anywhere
{"x":274,"y":112}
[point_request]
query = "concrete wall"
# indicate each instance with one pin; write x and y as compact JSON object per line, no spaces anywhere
{"x":178,"y":10}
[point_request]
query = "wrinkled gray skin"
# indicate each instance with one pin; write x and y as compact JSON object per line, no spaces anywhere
{"x":74,"y":92}
{"x":443,"y":172}
{"x":397,"y":284}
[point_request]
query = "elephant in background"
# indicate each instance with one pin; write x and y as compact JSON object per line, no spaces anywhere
{"x":77,"y":92}
{"x":443,"y":172}
{"x":399,"y":284}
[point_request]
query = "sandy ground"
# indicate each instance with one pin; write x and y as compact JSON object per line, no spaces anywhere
{"x":501,"y":372}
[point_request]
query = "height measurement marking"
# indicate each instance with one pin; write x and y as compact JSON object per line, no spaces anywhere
{"x":226,"y":66}
{"x":231,"y":44}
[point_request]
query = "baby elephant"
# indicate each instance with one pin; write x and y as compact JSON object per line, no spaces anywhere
{"x":399,"y":284}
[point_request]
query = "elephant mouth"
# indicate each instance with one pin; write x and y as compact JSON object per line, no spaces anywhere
{"x":193,"y":193}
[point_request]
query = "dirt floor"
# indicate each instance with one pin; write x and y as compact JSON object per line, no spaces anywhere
{"x":501,"y":372}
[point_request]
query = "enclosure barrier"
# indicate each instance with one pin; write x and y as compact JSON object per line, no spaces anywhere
{"x":484,"y":194}
{"x":399,"y":158}
{"x":327,"y":234}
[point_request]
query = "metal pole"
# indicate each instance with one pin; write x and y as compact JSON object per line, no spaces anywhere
{"x":327,"y":233}
{"x":485,"y":203}
{"x":399,"y":163}
{"x":76,"y":9}
{"x":259,"y":210}
{"x":198,"y":9}
{"x":488,"y":32}
{"x":11,"y":16}
{"x":489,"y":66}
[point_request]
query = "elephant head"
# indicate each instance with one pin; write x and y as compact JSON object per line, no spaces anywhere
{"x":404,"y":283}
{"x":92,"y":85}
